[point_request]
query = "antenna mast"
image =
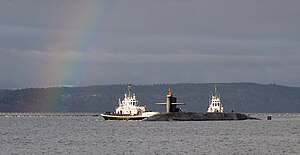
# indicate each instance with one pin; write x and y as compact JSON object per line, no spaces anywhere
{"x":129,"y":90}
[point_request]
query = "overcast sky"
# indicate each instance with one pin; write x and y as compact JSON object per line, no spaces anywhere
{"x":87,"y":42}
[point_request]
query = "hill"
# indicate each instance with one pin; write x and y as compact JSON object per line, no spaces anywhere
{"x":243,"y":97}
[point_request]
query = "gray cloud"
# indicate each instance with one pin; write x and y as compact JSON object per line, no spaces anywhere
{"x":148,"y":42}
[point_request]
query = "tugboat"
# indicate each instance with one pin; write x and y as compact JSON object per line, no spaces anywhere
{"x":128,"y":109}
{"x":215,"y":102}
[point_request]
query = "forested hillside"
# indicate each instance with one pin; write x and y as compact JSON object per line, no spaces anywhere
{"x":243,"y":97}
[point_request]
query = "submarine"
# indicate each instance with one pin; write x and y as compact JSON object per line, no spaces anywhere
{"x":214,"y":113}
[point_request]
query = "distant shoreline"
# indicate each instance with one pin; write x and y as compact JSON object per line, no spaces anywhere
{"x":243,"y":97}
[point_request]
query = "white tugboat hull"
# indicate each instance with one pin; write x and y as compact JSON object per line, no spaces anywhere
{"x":128,"y":117}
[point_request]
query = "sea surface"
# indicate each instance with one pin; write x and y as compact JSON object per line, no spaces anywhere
{"x":93,"y":135}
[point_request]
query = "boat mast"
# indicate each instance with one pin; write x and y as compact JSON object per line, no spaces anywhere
{"x":216,"y":91}
{"x":209,"y":99}
{"x":129,"y":90}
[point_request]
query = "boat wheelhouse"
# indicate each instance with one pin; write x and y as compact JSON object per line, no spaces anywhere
{"x":130,"y":105}
{"x":215,"y":102}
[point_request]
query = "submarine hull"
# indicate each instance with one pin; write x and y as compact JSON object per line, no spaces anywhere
{"x":196,"y":116}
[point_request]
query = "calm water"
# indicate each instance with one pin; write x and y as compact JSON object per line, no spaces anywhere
{"x":92,"y":135}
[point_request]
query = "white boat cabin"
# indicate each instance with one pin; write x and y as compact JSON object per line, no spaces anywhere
{"x":129,"y":105}
{"x":215,"y":102}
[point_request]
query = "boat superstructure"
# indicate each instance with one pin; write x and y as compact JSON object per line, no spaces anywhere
{"x":128,"y":109}
{"x":215,"y":102}
{"x":129,"y":105}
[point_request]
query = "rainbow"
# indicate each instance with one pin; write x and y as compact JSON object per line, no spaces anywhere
{"x":85,"y":25}
{"x":86,"y":19}
{"x":88,"y":22}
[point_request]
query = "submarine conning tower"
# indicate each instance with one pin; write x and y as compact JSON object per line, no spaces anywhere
{"x":171,"y":103}
{"x":171,"y":99}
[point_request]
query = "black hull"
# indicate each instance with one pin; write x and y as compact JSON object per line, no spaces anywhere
{"x":194,"y":116}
